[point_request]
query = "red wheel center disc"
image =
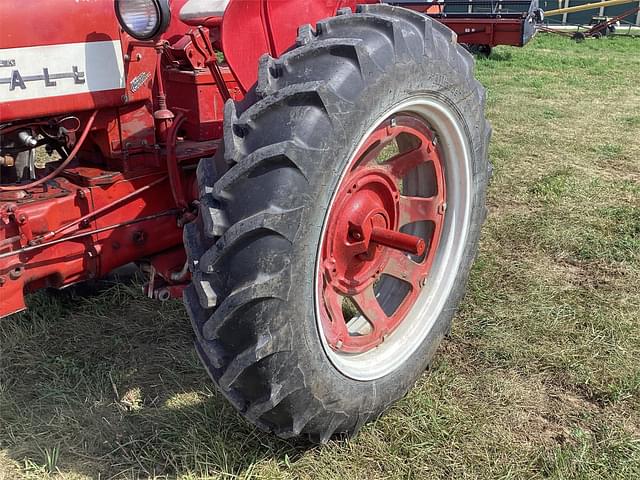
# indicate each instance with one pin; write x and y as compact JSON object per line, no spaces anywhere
{"x":371,"y":234}
{"x":370,"y":200}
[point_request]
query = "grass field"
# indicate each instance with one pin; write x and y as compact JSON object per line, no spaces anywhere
{"x":540,"y":378}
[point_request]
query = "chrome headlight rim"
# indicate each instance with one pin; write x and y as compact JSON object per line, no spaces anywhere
{"x":163,"y":13}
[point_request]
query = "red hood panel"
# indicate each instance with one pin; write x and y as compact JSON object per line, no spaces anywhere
{"x":32,"y":23}
{"x":59,"y":56}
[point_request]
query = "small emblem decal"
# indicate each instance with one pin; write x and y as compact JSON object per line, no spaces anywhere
{"x":138,"y":81}
{"x":8,"y":63}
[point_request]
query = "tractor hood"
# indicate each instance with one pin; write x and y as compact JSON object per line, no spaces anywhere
{"x":59,"y":56}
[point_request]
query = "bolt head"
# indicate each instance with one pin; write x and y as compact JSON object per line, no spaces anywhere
{"x":330,"y":266}
{"x":16,"y":273}
{"x":355,"y":235}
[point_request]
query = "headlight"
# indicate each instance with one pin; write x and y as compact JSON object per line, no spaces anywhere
{"x":143,"y":19}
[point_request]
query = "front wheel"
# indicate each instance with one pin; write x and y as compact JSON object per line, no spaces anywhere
{"x":329,"y":260}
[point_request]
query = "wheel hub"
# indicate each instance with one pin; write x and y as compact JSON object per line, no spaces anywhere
{"x":369,"y":201}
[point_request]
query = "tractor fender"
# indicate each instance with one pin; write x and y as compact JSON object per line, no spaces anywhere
{"x":251,"y":28}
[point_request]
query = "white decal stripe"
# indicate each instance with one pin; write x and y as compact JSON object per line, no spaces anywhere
{"x":54,"y":70}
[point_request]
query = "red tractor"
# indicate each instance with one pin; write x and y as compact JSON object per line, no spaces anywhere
{"x":309,"y":176}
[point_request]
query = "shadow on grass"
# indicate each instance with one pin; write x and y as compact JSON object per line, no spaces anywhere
{"x":111,"y":383}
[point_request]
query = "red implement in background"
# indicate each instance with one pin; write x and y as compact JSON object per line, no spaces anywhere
{"x":484,"y":24}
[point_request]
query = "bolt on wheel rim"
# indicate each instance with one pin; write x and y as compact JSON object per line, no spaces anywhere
{"x":382,"y":234}
{"x":419,"y":323}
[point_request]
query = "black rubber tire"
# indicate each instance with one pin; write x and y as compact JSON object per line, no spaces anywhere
{"x":254,"y":245}
{"x":480,"y":50}
{"x":578,"y":37}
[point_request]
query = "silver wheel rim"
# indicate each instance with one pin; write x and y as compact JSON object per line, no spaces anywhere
{"x":419,"y":322}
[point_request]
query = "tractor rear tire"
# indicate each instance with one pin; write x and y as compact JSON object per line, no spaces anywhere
{"x":254,"y":248}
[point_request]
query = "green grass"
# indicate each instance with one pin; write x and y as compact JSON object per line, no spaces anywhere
{"x":541,"y":375}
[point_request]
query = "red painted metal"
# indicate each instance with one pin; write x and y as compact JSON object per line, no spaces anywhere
{"x":175,"y":176}
{"x":363,"y":241}
{"x":201,"y":42}
{"x":115,"y":232}
{"x":84,"y":220}
{"x":44,"y":23}
{"x":176,"y":29}
{"x":196,"y":91}
{"x":486,"y":22}
{"x":268,"y":26}
{"x":487,"y":31}
{"x":398,"y":240}
{"x":108,"y":206}
{"x":63,"y":104}
{"x":48,"y":22}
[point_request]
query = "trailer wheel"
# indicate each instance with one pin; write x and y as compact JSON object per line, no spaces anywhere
{"x":480,"y":50}
{"x":578,"y":37}
{"x":329,"y":260}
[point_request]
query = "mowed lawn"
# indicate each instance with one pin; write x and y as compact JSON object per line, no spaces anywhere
{"x":541,"y":375}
